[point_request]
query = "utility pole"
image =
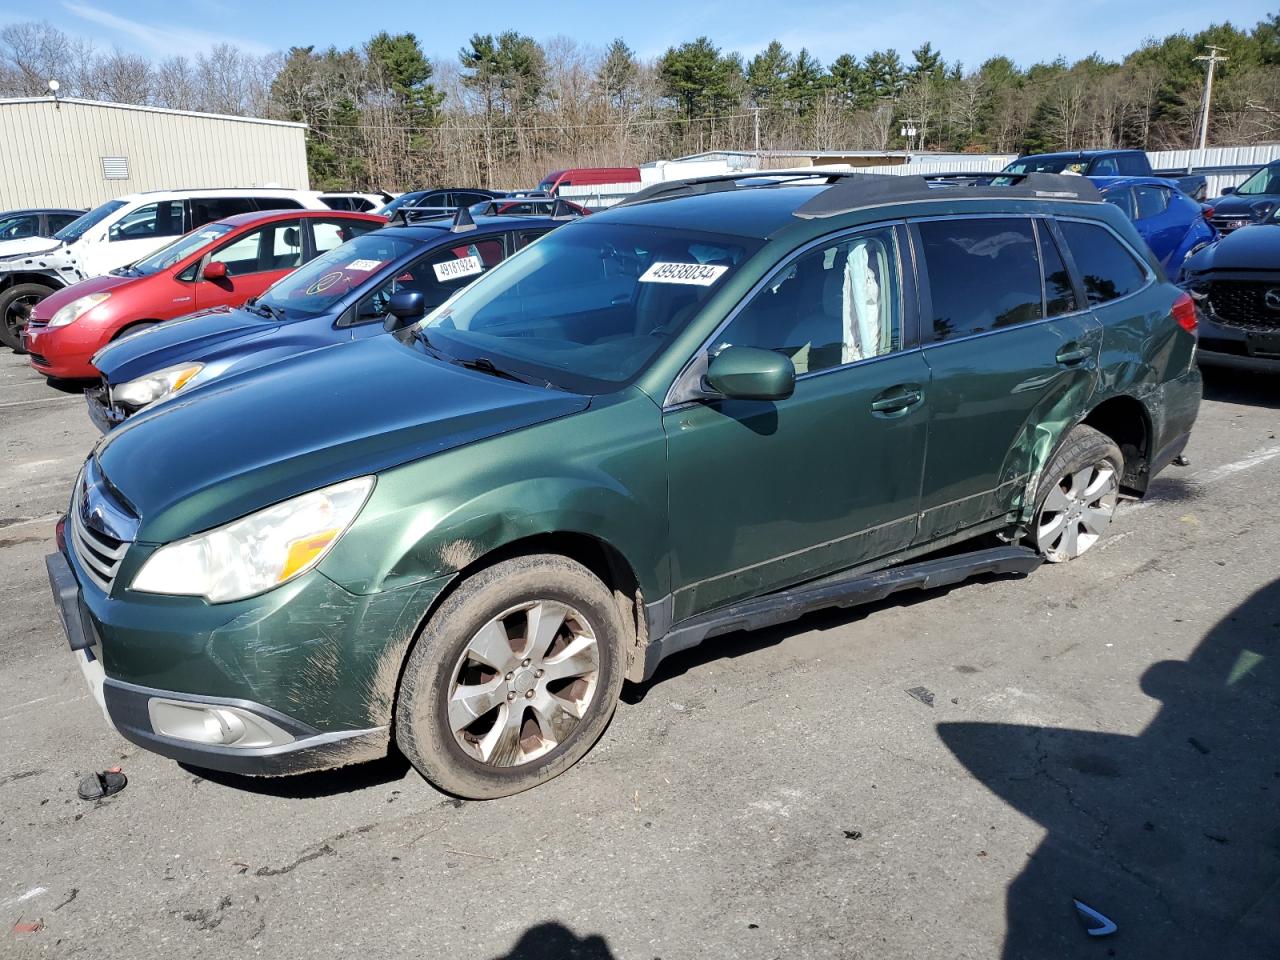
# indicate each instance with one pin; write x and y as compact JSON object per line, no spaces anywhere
{"x":755,"y":111}
{"x":1213,"y":59}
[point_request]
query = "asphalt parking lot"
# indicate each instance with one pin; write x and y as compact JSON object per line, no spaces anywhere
{"x":1107,"y":730}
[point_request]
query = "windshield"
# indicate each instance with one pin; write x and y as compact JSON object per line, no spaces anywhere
{"x":1047,"y":165}
{"x":314,"y":288}
{"x":179,"y":250}
{"x":1265,"y":181}
{"x":587,"y":307}
{"x":400,"y":201}
{"x":76,"y":229}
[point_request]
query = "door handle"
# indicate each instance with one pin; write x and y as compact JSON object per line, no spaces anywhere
{"x":897,"y":399}
{"x":1072,"y":354}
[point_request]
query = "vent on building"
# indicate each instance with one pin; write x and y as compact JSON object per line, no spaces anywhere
{"x":115,"y":168}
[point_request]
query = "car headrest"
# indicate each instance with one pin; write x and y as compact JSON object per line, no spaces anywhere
{"x":291,"y":237}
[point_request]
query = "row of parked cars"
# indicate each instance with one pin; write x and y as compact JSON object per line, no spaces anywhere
{"x":444,"y":485}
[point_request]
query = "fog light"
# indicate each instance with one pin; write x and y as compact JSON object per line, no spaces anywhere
{"x":220,"y":726}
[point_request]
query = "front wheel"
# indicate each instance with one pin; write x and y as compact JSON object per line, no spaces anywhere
{"x":513,"y":679}
{"x":1078,"y":495}
{"x":16,"y":304}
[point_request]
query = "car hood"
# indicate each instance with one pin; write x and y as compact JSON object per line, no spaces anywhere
{"x":1235,"y":205}
{"x":177,"y":341}
{"x":26,"y":246}
{"x":302,"y":423}
{"x":51,"y":304}
{"x":1255,"y":247}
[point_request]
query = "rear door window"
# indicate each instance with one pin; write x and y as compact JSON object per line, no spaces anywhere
{"x":1131,"y":165}
{"x":274,"y":247}
{"x":984,"y":274}
{"x":1122,"y":198}
{"x":327,"y":234}
{"x":163,"y":219}
{"x":1149,"y":202}
{"x":275,"y":203}
{"x":208,"y":209}
{"x":59,"y":220}
{"x":1107,"y":268}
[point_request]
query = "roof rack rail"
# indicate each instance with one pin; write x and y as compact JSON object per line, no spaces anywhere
{"x":850,"y":190}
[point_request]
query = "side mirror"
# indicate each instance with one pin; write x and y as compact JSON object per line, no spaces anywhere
{"x":215,"y":270}
{"x":749,"y":373}
{"x":1227,"y":191}
{"x":404,"y":307}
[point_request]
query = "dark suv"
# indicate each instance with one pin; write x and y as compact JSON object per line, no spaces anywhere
{"x":714,"y":407}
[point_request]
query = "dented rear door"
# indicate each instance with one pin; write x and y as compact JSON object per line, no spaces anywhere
{"x":1014,"y":356}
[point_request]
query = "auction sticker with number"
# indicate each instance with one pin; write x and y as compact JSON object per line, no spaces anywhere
{"x":364,"y":266}
{"x":462,"y":267}
{"x":698,"y":274}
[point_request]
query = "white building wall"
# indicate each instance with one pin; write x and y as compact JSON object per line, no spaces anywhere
{"x":53,"y":152}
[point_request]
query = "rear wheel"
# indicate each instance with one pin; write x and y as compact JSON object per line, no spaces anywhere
{"x":16,"y":304}
{"x":1078,"y":495}
{"x":513,"y":679}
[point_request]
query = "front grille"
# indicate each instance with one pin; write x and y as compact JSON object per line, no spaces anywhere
{"x":94,"y":510}
{"x":1227,"y":224}
{"x":99,"y":555}
{"x":1243,"y":303}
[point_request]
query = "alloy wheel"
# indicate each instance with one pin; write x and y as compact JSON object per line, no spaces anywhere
{"x":523,"y":683}
{"x":1077,"y":511}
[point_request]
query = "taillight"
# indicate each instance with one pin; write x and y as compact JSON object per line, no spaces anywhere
{"x":60,"y":533}
{"x":1208,"y":211}
{"x":1184,"y":311}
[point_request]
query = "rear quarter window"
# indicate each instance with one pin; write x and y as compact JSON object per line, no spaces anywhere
{"x":1107,"y":268}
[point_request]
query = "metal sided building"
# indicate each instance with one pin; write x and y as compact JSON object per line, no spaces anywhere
{"x":79,"y":153}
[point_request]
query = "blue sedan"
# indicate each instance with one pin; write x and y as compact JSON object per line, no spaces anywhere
{"x":341,"y":296}
{"x":1173,"y":224}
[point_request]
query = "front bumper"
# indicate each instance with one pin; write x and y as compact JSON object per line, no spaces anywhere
{"x":316,"y":671}
{"x":1225,"y":345}
{"x":61,"y":352}
{"x":129,"y":710}
{"x":105,"y":415}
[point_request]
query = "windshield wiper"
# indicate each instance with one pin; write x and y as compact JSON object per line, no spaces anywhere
{"x":264,"y":309}
{"x":485,"y":365}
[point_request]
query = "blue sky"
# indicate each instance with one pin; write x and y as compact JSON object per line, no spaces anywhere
{"x":968,"y":30}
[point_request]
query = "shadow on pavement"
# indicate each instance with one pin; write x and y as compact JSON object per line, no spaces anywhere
{"x":1245,"y":387}
{"x":554,"y":941}
{"x":323,"y":783}
{"x":1174,"y":834}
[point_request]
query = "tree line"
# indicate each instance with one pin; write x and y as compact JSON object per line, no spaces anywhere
{"x":508,"y":108}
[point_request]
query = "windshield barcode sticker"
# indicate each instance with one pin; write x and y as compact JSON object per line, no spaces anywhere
{"x":462,"y":267}
{"x":364,"y":266}
{"x":698,"y":274}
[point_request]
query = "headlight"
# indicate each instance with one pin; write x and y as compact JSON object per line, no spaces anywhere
{"x":77,"y":308}
{"x":258,"y":552}
{"x":144,"y":390}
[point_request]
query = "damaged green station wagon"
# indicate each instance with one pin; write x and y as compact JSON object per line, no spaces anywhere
{"x":717,"y":406}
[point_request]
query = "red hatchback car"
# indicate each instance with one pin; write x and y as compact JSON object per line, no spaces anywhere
{"x":222,"y":264}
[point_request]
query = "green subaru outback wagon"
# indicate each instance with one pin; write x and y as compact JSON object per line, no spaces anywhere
{"x":717,"y":406}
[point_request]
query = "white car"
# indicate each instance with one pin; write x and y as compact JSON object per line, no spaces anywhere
{"x":116,"y":234}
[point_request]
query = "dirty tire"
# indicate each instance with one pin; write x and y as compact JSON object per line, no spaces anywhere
{"x":10,"y":300}
{"x":1075,"y":489}
{"x":422,"y":727}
